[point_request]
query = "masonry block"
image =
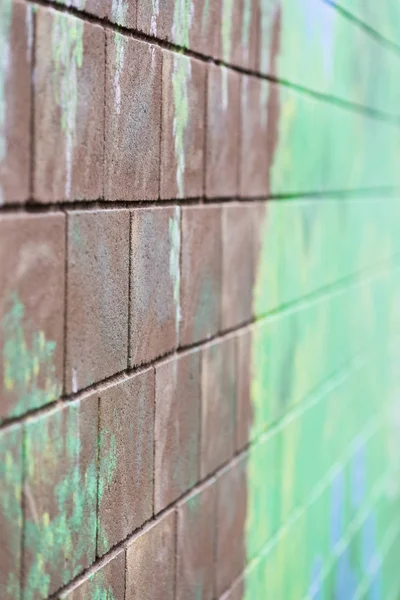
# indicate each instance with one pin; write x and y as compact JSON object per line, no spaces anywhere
{"x":125,"y":458}
{"x":231,"y":519}
{"x":10,"y":512}
{"x":133,"y":119}
{"x":257,"y":137}
{"x":123,"y":13}
{"x":60,"y":496}
{"x":238,"y":33}
{"x":201,"y":273}
{"x":107,"y":581}
{"x":69,"y":108}
{"x":177,"y":427}
{"x":236,"y":592}
{"x":98,"y":8}
{"x":223,"y":124}
{"x":183,"y":114}
{"x":218,"y":384}
{"x":196,"y":536}
{"x":191,"y":25}
{"x":151,"y":561}
{"x":97,"y":296}
{"x":244,"y":409}
{"x":155,"y":282}
{"x":32,"y":265}
{"x":238,"y":264}
{"x":17,"y":24}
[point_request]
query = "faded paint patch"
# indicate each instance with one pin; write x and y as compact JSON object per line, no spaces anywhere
{"x":5,"y":61}
{"x":174,"y":260}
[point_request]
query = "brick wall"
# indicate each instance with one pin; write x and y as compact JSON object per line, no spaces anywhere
{"x":200,"y":282}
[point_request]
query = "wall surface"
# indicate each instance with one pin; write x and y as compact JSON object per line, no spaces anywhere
{"x":199,"y":307}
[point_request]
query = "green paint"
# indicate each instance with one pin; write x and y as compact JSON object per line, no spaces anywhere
{"x":29,"y":373}
{"x":119,"y":10}
{"x":67,"y":53}
{"x":5,"y":31}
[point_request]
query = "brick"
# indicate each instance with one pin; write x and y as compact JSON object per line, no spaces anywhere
{"x":238,"y":264}
{"x":133,"y":119}
{"x":218,"y":384}
{"x":97,"y":296}
{"x":32,"y":258}
{"x":257,"y":137}
{"x":223,"y":123}
{"x":238,"y":33}
{"x":151,"y":562}
{"x":244,"y":410}
{"x":98,"y":8}
{"x":236,"y":592}
{"x":196,"y":527}
{"x":201,"y":273}
{"x":60,"y":496}
{"x":155,"y":283}
{"x":108,"y":581}
{"x":16,"y":37}
{"x":10,"y":512}
{"x":177,"y":427}
{"x":69,"y":108}
{"x":231,"y":519}
{"x":169,"y":20}
{"x":125,"y":458}
{"x":183,"y":114}
{"x":123,"y":12}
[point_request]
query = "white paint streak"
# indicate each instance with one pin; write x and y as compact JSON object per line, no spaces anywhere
{"x":154,"y":17}
{"x":29,"y":33}
{"x":74,"y":380}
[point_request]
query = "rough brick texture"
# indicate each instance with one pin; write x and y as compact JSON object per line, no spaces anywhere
{"x":199,"y":322}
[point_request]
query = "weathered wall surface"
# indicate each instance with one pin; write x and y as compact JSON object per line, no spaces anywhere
{"x":199,"y":308}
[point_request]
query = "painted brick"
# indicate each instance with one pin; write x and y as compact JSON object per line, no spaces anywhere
{"x":151,"y":561}
{"x":15,"y":100}
{"x":32,"y":258}
{"x":177,"y":427}
{"x":231,"y":519}
{"x":244,"y":411}
{"x":106,"y":582}
{"x":97,"y":8}
{"x":238,"y":33}
{"x":199,"y":30}
{"x":60,"y":496}
{"x":69,"y":108}
{"x":133,"y":119}
{"x":123,"y":12}
{"x":10,"y":512}
{"x":155,"y":283}
{"x":97,"y":296}
{"x":125,"y":458}
{"x":196,"y":531}
{"x":182,"y":141}
{"x":218,"y":384}
{"x":238,"y":263}
{"x":237,"y":591}
{"x":223,"y":124}
{"x":201,"y":273}
{"x":257,"y":137}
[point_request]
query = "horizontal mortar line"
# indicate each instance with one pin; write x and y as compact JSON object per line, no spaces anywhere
{"x":364,"y":25}
{"x":296,"y":305}
{"x":100,"y":561}
{"x":135,"y":34}
{"x":34,"y":206}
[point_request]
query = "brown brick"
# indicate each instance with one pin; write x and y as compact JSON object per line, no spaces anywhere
{"x":133,"y":116}
{"x":155,"y":282}
{"x":126,"y":458}
{"x":196,"y":542}
{"x":10,"y":512}
{"x":177,"y":428}
{"x":255,"y":137}
{"x":201,"y":273}
{"x":238,"y":264}
{"x":182,"y":142}
{"x":106,"y":582}
{"x":123,"y":12}
{"x":69,"y":108}
{"x":32,"y":258}
{"x":60,"y":496}
{"x":244,"y":408}
{"x":169,"y":20}
{"x":231,"y":518}
{"x":236,"y":592}
{"x":238,"y":33}
{"x":98,"y":8}
{"x":97,"y":303}
{"x":218,"y":380}
{"x":17,"y":24}
{"x":151,"y":562}
{"x":223,"y":121}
